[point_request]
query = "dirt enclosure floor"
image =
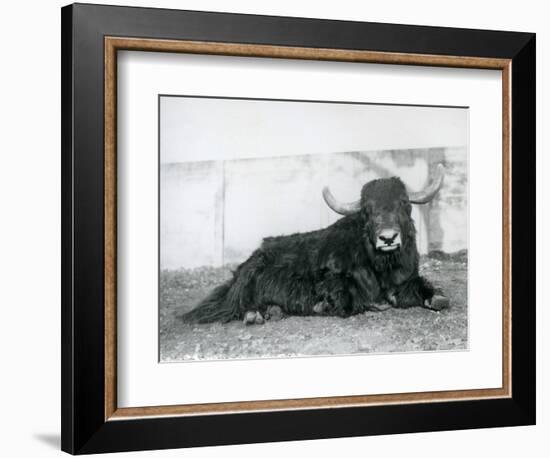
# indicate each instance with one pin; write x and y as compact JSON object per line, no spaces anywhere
{"x":392,"y":330}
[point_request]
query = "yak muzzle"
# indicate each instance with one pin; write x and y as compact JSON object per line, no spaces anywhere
{"x":388,"y":240}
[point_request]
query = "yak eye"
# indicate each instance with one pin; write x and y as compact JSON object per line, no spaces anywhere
{"x":404,"y":203}
{"x":368,"y":208}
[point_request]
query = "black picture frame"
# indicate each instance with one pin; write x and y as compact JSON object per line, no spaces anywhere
{"x":84,"y":427}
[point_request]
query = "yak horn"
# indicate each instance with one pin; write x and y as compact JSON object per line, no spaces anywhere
{"x":427,"y":194}
{"x":340,"y":207}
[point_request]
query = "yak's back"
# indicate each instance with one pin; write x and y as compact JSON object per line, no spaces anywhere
{"x":342,"y":239}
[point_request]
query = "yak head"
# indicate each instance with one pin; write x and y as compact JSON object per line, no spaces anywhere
{"x":386,"y":206}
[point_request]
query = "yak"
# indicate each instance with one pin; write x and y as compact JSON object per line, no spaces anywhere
{"x":366,"y":258}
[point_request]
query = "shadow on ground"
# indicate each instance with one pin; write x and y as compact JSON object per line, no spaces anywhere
{"x":393,"y":330}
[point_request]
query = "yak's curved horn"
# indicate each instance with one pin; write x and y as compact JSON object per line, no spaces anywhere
{"x":427,"y":194}
{"x":340,"y":207}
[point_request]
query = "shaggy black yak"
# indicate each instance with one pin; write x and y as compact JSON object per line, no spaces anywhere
{"x":366,"y":258}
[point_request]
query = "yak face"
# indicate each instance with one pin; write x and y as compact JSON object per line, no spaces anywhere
{"x":386,"y":206}
{"x":387,"y":210}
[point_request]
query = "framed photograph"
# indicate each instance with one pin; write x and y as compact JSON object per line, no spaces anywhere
{"x":283,"y":228}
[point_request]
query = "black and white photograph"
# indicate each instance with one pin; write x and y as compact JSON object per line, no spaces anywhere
{"x":295,"y":228}
{"x":260,"y":229}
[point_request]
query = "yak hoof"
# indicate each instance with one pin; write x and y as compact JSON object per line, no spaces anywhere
{"x":379,"y":307}
{"x":319,"y":308}
{"x":274,"y":312}
{"x":437,"y":303}
{"x":251,"y":317}
{"x":259,"y":318}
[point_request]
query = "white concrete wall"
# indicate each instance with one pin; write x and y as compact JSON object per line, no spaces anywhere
{"x":216,"y":212}
{"x":233,"y":171}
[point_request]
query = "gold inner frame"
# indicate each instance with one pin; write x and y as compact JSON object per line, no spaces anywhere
{"x":114,"y":44}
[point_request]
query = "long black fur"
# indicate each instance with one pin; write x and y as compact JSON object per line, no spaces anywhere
{"x":338,"y":266}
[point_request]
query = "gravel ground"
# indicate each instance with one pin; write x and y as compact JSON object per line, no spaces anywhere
{"x":393,"y":330}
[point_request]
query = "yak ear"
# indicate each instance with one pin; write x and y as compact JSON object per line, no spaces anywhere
{"x":428,"y":193}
